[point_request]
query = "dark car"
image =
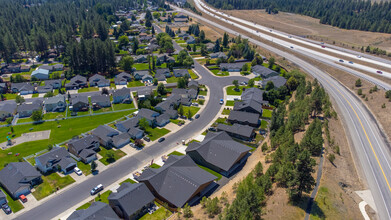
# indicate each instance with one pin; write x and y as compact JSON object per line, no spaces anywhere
{"x":197,"y":116}
{"x":380,"y":72}
{"x":212,"y":129}
{"x":6,"y":209}
{"x":341,"y":61}
{"x":147,"y":139}
{"x":161,"y":140}
{"x":96,"y":189}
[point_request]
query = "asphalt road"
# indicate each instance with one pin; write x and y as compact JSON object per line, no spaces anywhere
{"x":80,"y":191}
{"x":370,"y":147}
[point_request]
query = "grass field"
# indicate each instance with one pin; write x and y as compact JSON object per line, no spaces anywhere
{"x":266,"y":113}
{"x":123,"y":106}
{"x":229,"y":103}
{"x":193,"y":110}
{"x":85,"y":168}
{"x":161,"y":213}
{"x":155,"y":133}
{"x":105,"y":160}
{"x":88,"y":89}
{"x":231,"y":90}
{"x":193,"y":75}
{"x":172,"y":79}
{"x":135,"y":84}
{"x":54,"y":115}
{"x":107,"y":109}
{"x":264,"y":124}
{"x":202,"y":92}
{"x":51,"y":183}
{"x":24,"y":120}
{"x":68,"y":129}
{"x":226,"y":111}
{"x":141,"y":66}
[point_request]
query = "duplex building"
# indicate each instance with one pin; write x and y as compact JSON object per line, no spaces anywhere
{"x":85,"y":148}
{"x":105,"y":134}
{"x":57,"y":159}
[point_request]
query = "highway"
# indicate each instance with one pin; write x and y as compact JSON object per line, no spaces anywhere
{"x":77,"y":192}
{"x":368,"y":142}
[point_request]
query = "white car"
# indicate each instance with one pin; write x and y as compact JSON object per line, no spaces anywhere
{"x":77,"y":171}
{"x":358,"y":56}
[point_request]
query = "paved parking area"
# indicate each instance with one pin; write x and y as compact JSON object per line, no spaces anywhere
{"x":26,"y":137}
{"x":233,"y":97}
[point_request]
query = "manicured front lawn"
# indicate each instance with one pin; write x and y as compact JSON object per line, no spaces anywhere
{"x":128,"y":181}
{"x":15,"y":205}
{"x":9,"y":96}
{"x":193,"y":110}
{"x":264,"y":124}
{"x":177,"y":121}
{"x":135,"y":84}
{"x":85,"y":168}
{"x":218,"y":175}
{"x":35,"y":95}
{"x":226,"y":111}
{"x":202,"y":92}
{"x":88,"y":89}
{"x":266,"y":113}
{"x":193,"y":75}
{"x":172,"y":79}
{"x":123,"y":106}
{"x":231,"y":90}
{"x":155,"y":133}
{"x":161,"y":213}
{"x":100,"y":197}
{"x":229,"y":103}
{"x":105,"y":160}
{"x":141,"y":66}
{"x":154,"y":166}
{"x":61,"y":131}
{"x":175,"y":153}
{"x":50,"y":184}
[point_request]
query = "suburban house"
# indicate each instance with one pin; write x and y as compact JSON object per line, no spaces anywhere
{"x":244,"y":118}
{"x":163,"y":119}
{"x":278,"y":81}
{"x":3,"y":198}
{"x":264,"y":72}
{"x":57,"y":159}
{"x":55,"y":104}
{"x":160,"y":77}
{"x":40,"y":74}
{"x":22,"y":88}
{"x":99,"y":81}
{"x":105,"y":134}
{"x":243,"y":132}
{"x":193,"y":85}
{"x":147,"y":78}
{"x":131,"y":201}
{"x":161,"y":58}
{"x":232,"y":67}
{"x":218,"y":152}
{"x":164,"y":71}
{"x":55,"y":83}
{"x":178,"y":181}
{"x":122,"y":96}
{"x":97,"y":211}
{"x":13,"y":68}
{"x":144,"y":94}
{"x":120,"y":81}
{"x":138,"y":75}
{"x":76,"y":82}
{"x":26,"y":110}
{"x":17,"y":178}
{"x":79,"y":103}
{"x":100,"y":101}
{"x":185,"y":93}
{"x":122,"y":78}
{"x":218,"y":55}
{"x":24,"y":69}
{"x":148,"y":114}
{"x":191,"y":40}
{"x":7,"y":110}
{"x":3,"y":88}
{"x":252,"y":101}
{"x":44,"y":89}
{"x":140,"y":59}
{"x":121,"y":140}
{"x":181,"y":72}
{"x":130,"y":126}
{"x":85,"y":148}
{"x":58,"y":67}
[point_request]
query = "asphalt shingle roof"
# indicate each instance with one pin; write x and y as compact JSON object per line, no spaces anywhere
{"x":245,"y":117}
{"x":97,"y":211}
{"x":242,"y":130}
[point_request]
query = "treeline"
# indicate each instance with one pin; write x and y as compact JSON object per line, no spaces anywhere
{"x":346,"y":14}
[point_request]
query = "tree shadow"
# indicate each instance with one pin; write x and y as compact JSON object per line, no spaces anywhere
{"x":309,"y":206}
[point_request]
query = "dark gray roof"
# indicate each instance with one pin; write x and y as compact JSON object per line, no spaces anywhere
{"x":242,"y":130}
{"x":44,"y":89}
{"x":8,"y":107}
{"x":227,"y":66}
{"x":257,"y":106}
{"x":245,"y":117}
{"x":55,"y":99}
{"x":58,"y":155}
{"x":264,"y":72}
{"x":162,"y":117}
{"x":145,"y":92}
{"x":22,"y":86}
{"x":160,"y":77}
{"x":78,"y":78}
{"x":172,"y":113}
{"x":123,"y":75}
{"x":80,"y":144}
{"x":146,"y":113}
{"x":219,"y":149}
{"x":133,"y":132}
{"x":181,"y":72}
{"x":129,"y":123}
{"x":132,"y":197}
{"x":105,"y":132}
{"x":177,"y":180}
{"x":100,"y":98}
{"x":252,"y":93}
{"x":121,"y":138}
{"x":97,"y":211}
{"x":278,"y":81}
{"x":79,"y":98}
{"x":86,"y":153}
{"x":162,"y":71}
{"x":13,"y":176}
{"x":29,"y":107}
{"x":53,"y":82}
{"x":121,"y":92}
{"x":96,"y":77}
{"x":141,"y":73}
{"x":192,"y":83}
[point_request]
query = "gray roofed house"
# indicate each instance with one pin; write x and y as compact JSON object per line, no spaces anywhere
{"x":249,"y":106}
{"x":181,"y":72}
{"x":148,"y":114}
{"x":46,"y":67}
{"x":135,"y":133}
{"x":3,"y":198}
{"x":243,"y":132}
{"x":218,"y":152}
{"x":97,"y":211}
{"x":140,"y":59}
{"x":122,"y":96}
{"x":164,"y":71}
{"x":120,"y":81}
{"x":163,"y":119}
{"x":139,"y":74}
{"x":193,"y":85}
{"x":7,"y":110}
{"x":100,"y":101}
{"x":278,"y":81}
{"x":79,"y":103}
{"x":164,"y":106}
{"x":122,"y":78}
{"x":264,"y":72}
{"x":44,"y":89}
{"x":253,"y":93}
{"x":131,"y":201}
{"x":55,"y":104}
{"x":105,"y":134}
{"x":17,"y":178}
{"x":160,"y":77}
{"x":144,"y":93}
{"x":218,"y":55}
{"x":26,"y":110}
{"x":147,"y":78}
{"x":58,"y":156}
{"x":84,"y":148}
{"x":98,"y":80}
{"x":191,"y":40}
{"x":76,"y":82}
{"x":58,"y":67}
{"x":232,"y":67}
{"x":124,"y":126}
{"x":22,"y":88}
{"x":178,"y":181}
{"x":121,"y":140}
{"x":3,"y":88}
{"x":244,"y":118}
{"x":55,"y":83}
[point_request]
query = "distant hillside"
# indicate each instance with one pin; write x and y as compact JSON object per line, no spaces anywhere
{"x":347,"y":14}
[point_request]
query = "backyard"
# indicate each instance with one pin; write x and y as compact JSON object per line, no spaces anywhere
{"x":88,"y":89}
{"x":51,"y":183}
{"x":123,"y":106}
{"x":135,"y":84}
{"x":141,"y":66}
{"x":266,"y":113}
{"x":161,"y":213}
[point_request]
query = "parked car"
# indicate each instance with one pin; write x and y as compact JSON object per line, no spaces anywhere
{"x":194,"y":104}
{"x":380,"y":72}
{"x":341,"y":61}
{"x":221,"y":101}
{"x":358,"y":56}
{"x":161,"y":139}
{"x":236,"y":99}
{"x":96,"y":189}
{"x":77,"y":171}
{"x":201,"y":97}
{"x":291,"y":47}
{"x":197,"y":116}
{"x":323,"y":46}
{"x":147,"y":139}
{"x":351,"y":62}
{"x":212,"y":129}
{"x":6,"y":209}
{"x":23,"y":198}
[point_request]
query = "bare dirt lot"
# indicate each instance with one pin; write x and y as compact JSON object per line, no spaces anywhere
{"x":310,"y":27}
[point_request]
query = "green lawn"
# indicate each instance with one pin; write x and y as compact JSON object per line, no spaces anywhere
{"x":85,"y":168}
{"x":266,"y":113}
{"x":141,"y":66}
{"x":128,"y":181}
{"x":175,"y":153}
{"x":229,"y":103}
{"x":15,"y":205}
{"x":218,"y":175}
{"x":88,"y":89}
{"x":54,"y":115}
{"x":193,"y":110}
{"x":35,"y":95}
{"x":264,"y":124}
{"x":105,"y":160}
{"x":217,"y":72}
{"x":135,"y":84}
{"x":177,"y":121}
{"x":172,"y":79}
{"x":180,"y":41}
{"x":226,"y":111}
{"x":50,"y":184}
{"x":154,"y":166}
{"x":203,"y":92}
{"x":69,"y":113}
{"x":100,"y":197}
{"x":9,"y":96}
{"x":23,"y":120}
{"x":161,"y":213}
{"x":108,"y":109}
{"x":66,"y":130}
{"x":123,"y":106}
{"x":85,"y":206}
{"x":155,"y":133}
{"x":231,"y":90}
{"x":193,"y":75}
